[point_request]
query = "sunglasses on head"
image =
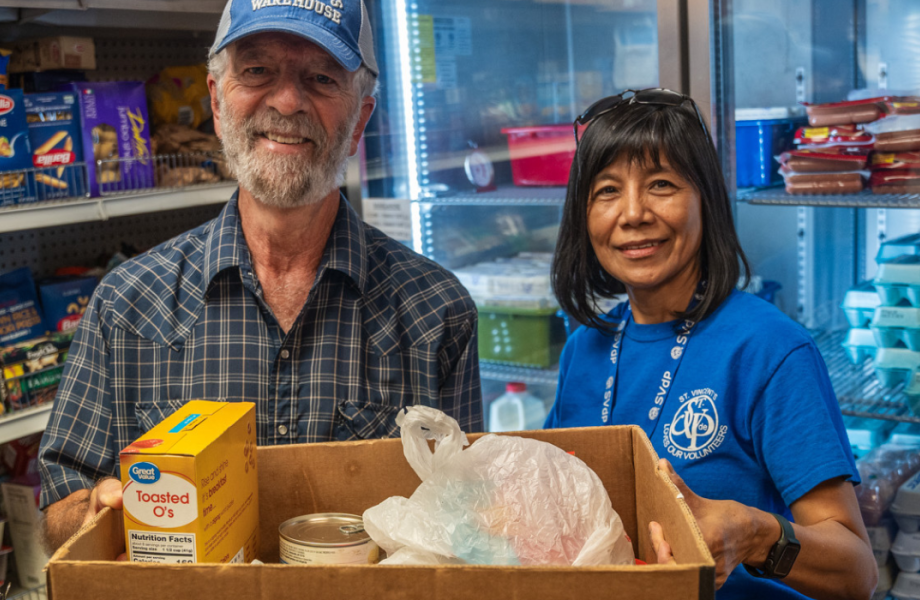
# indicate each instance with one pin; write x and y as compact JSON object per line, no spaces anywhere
{"x":658,"y":96}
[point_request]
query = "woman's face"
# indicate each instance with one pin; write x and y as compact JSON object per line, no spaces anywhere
{"x":646,"y":227}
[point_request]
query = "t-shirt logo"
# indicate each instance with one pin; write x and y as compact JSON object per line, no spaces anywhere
{"x":676,"y":351}
{"x":694,"y":432}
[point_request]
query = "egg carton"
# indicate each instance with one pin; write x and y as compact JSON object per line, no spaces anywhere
{"x":907,"y":244}
{"x":859,"y":304}
{"x":898,"y":281}
{"x":895,"y":366}
{"x":897,"y":326}
{"x":859,"y":345}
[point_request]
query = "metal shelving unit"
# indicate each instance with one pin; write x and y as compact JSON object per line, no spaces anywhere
{"x":504,"y":195}
{"x":864,"y":199}
{"x":858,"y":390}
{"x":24,"y":422}
{"x":502,"y":372}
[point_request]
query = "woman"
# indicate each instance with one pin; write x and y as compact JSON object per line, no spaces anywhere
{"x":728,"y":389}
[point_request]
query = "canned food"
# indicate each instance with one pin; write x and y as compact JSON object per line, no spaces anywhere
{"x":326,"y":539}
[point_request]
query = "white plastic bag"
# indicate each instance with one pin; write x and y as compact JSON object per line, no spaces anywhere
{"x":504,"y":501}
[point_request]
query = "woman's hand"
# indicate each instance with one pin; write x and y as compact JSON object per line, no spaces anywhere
{"x":725,"y":524}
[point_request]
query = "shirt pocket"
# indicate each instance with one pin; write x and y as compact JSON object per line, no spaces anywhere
{"x":366,"y":420}
{"x":150,"y":414}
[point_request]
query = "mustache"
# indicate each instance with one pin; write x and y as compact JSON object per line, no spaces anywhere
{"x":300,"y":126}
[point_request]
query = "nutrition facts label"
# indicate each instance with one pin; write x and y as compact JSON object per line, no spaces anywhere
{"x":146,"y":546}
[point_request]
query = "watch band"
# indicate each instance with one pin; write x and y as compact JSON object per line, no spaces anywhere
{"x":782,"y":555}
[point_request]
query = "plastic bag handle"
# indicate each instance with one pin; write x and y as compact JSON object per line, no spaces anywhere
{"x":418,"y":424}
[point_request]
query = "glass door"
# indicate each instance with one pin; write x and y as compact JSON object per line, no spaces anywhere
{"x":468,"y":155}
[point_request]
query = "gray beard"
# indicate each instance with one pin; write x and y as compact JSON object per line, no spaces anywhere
{"x":284,"y":181}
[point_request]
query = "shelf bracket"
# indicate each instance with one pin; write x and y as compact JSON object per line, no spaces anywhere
{"x":100,"y":210}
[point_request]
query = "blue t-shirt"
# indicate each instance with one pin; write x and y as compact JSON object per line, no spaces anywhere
{"x":750,"y":414}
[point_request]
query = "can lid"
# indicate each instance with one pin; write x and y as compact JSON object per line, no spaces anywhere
{"x":325,"y":529}
{"x":515,"y":386}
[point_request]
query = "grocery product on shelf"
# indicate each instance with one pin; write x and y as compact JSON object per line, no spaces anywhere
{"x":32,"y":370}
{"x":897,"y":326}
{"x":64,"y":300}
{"x":49,"y":53}
{"x":898,"y":281}
{"x":179,"y":95}
{"x":517,"y":409}
{"x":20,"y":317}
{"x":57,"y":146}
{"x":844,"y":113}
{"x":540,"y":155}
{"x":824,"y":171}
{"x":116,"y":136}
{"x":16,"y":186}
{"x":896,"y":133}
{"x":895,"y":182}
{"x":859,"y":304}
{"x":859,"y":344}
{"x":849,"y":137}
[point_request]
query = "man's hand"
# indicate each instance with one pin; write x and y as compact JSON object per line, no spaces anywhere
{"x":65,"y":517}
{"x":722,"y":523}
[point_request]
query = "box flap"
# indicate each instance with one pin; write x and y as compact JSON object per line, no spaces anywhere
{"x":208,"y":419}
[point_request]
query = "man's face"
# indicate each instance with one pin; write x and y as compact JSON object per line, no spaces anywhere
{"x":289,"y":117}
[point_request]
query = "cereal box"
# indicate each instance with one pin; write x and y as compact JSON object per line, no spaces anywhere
{"x":116,"y":136}
{"x":191,"y":489}
{"x":57,"y":149}
{"x":15,"y":150}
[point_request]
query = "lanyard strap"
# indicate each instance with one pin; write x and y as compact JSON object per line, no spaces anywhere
{"x":667,"y":379}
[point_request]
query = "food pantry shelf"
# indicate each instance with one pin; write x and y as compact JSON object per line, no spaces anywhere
{"x":864,"y":199}
{"x":858,"y":390}
{"x":65,"y":212}
{"x":14,"y":425}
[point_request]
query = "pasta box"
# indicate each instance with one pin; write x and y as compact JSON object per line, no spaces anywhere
{"x":350,"y":477}
{"x":15,"y":150}
{"x":57,"y":147}
{"x":64,"y":300}
{"x":116,"y":136}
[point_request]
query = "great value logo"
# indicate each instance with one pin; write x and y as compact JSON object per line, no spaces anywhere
{"x":144,"y":472}
{"x":6,"y":104}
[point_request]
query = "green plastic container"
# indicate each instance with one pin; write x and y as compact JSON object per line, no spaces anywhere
{"x":531,"y":337}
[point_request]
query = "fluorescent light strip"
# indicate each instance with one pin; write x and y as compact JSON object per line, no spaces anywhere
{"x":406,"y":77}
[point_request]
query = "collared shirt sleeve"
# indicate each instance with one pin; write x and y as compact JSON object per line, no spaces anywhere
{"x":461,"y":395}
{"x":76,"y":449}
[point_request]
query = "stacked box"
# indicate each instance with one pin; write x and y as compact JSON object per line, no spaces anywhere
{"x":57,"y":147}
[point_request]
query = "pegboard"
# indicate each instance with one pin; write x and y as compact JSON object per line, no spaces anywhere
{"x":138,"y":59}
{"x":82,"y":244}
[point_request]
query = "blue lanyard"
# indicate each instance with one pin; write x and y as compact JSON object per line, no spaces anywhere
{"x":667,"y":379}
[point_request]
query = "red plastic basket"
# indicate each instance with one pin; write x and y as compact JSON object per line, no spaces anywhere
{"x":541,"y":155}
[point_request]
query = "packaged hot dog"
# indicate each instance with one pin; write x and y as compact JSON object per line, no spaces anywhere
{"x":824,"y":160}
{"x":894,"y":160}
{"x":824,"y":183}
{"x":843,"y":113}
{"x":897,"y":181}
{"x":846,"y":136}
{"x":903,"y":105}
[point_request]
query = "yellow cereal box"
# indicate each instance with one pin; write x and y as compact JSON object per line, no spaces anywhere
{"x":191,"y":488}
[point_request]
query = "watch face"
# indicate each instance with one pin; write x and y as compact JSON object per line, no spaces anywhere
{"x":786,"y":560}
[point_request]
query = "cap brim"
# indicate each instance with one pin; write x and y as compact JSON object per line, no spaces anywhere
{"x":344,"y":55}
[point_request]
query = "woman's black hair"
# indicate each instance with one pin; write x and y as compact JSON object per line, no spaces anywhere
{"x":642,"y":133}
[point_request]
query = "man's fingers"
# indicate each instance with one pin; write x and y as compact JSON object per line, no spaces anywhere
{"x":661,"y":547}
{"x":107,"y":493}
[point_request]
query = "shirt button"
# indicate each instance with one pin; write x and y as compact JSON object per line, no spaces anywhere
{"x":285,"y":354}
{"x":282,"y":429}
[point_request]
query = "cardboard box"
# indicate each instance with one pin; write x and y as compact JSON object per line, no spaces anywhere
{"x":24,"y":523}
{"x":116,"y":136}
{"x":16,"y":185}
{"x":191,"y":487}
{"x":59,"y":52}
{"x":353,"y":476}
{"x":54,"y":131}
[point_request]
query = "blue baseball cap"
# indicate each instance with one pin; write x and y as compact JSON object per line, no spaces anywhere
{"x":341,"y":27}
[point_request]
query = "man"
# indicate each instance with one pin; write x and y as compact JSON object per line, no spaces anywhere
{"x":286,"y":299}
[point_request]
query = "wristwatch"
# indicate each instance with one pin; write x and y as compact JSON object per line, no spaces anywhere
{"x":782,"y":555}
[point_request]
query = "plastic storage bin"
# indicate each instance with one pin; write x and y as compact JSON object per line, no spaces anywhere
{"x":757,"y":141}
{"x":906,"y":508}
{"x":520,"y":336}
{"x":540,"y":155}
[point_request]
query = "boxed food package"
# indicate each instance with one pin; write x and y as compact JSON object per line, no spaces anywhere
{"x":191,"y":488}
{"x":116,"y":136}
{"x":58,"y":52}
{"x":350,"y":477}
{"x":15,"y":150}
{"x":54,"y":131}
{"x":20,"y":318}
{"x":24,"y":522}
{"x":64,"y":300}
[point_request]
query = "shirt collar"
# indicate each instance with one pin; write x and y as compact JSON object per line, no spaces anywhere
{"x":346,"y":248}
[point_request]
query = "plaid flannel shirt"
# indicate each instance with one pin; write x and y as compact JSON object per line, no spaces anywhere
{"x":383,"y":328}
